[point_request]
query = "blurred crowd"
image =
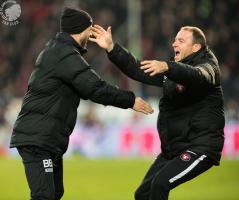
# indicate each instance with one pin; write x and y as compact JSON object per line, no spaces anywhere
{"x":160,"y":19}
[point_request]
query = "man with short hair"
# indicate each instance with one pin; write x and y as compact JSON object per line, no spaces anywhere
{"x":191,"y":117}
{"x":62,"y":77}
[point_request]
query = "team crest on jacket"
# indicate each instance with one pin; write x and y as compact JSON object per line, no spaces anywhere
{"x":185,"y":157}
{"x":180,"y":88}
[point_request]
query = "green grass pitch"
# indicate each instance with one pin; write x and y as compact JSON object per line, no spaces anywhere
{"x":117,"y":179}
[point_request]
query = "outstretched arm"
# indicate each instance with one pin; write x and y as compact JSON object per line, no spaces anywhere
{"x":203,"y":75}
{"x":123,"y":59}
{"x":88,"y":84}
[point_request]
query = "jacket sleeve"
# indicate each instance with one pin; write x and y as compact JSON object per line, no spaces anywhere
{"x":77,"y":73}
{"x":203,"y":75}
{"x":130,"y":66}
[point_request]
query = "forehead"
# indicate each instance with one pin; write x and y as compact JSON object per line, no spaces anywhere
{"x":184,"y":34}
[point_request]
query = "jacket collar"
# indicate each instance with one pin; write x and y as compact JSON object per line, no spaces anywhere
{"x":66,"y":38}
{"x":194,"y":56}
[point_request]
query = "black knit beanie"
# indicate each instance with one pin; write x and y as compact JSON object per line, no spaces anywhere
{"x":74,"y":21}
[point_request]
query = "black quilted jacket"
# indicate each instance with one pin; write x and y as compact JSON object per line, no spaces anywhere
{"x":61,"y":78}
{"x":191,"y":113}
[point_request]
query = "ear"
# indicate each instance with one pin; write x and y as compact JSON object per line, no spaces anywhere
{"x":196,"y":47}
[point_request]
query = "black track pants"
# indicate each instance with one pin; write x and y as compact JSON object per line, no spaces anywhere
{"x":165,"y":174}
{"x":44,"y":172}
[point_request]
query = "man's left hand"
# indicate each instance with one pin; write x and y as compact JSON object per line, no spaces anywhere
{"x":154,"y":67}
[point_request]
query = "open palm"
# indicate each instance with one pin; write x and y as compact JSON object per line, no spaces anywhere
{"x":102,"y":37}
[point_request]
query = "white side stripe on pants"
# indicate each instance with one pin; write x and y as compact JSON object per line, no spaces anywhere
{"x":183,"y":173}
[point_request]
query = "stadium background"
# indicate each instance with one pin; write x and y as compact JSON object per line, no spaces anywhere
{"x":120,"y":143}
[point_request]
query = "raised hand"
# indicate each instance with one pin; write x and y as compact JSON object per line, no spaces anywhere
{"x":154,"y":67}
{"x":102,"y":37}
{"x":142,"y":106}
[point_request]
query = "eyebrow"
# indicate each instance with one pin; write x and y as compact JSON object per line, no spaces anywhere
{"x":180,"y":39}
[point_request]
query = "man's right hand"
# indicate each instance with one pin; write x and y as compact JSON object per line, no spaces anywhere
{"x":102,"y":37}
{"x":142,"y":106}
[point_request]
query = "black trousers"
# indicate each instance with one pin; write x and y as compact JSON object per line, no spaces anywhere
{"x":165,"y":174}
{"x":44,"y":172}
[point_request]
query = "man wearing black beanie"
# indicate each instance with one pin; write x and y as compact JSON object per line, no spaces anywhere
{"x":78,"y":24}
{"x":62,"y":77}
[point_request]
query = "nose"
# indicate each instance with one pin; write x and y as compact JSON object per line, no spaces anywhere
{"x":174,"y":44}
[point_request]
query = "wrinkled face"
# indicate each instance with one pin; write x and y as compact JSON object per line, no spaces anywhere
{"x":183,"y":45}
{"x":84,"y":37}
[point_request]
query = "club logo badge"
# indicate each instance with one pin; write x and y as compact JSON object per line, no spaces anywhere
{"x":180,"y":88}
{"x":185,"y":156}
{"x":10,"y":12}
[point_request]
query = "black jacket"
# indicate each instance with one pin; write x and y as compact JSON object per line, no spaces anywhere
{"x":61,"y":78}
{"x":191,"y":110}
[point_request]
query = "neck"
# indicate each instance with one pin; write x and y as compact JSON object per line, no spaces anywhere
{"x":76,"y":37}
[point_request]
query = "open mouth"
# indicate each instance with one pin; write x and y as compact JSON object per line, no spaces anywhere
{"x":177,"y":53}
